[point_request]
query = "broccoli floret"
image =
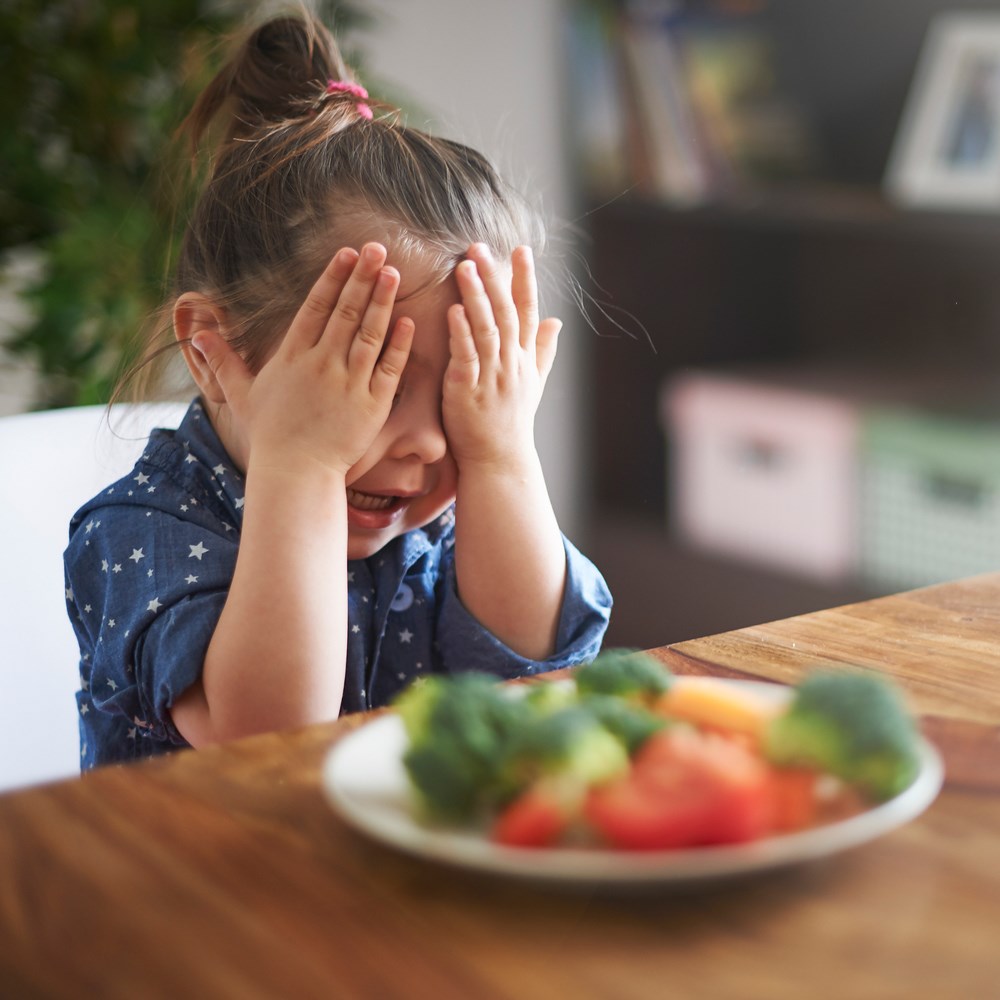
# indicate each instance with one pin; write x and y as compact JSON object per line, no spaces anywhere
{"x":414,"y":704}
{"x":474,"y":743}
{"x":631,"y":724}
{"x":569,"y":743}
{"x":448,"y":784}
{"x":458,"y":728}
{"x":549,"y":696}
{"x":852,"y":725}
{"x":625,"y":673}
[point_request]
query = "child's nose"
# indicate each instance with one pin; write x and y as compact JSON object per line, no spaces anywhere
{"x":420,"y":434}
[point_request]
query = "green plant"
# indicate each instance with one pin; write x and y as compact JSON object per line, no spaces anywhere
{"x":92,"y":92}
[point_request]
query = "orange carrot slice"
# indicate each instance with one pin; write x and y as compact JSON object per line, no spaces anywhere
{"x":710,"y":704}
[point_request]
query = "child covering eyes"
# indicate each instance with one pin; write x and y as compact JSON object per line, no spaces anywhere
{"x":354,"y":498}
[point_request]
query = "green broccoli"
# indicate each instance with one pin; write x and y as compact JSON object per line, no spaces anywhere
{"x":474,"y":743}
{"x":626,"y":673}
{"x":852,"y":725}
{"x":458,"y":728}
{"x":549,"y":696}
{"x":631,"y":724}
{"x":567,"y":743}
{"x":414,"y":704}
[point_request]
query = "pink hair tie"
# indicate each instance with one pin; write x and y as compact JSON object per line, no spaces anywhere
{"x":355,"y":90}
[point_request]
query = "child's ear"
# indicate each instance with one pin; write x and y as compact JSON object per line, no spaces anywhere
{"x":193,"y":313}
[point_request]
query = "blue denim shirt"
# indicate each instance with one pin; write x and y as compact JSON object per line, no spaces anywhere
{"x":148,"y":568}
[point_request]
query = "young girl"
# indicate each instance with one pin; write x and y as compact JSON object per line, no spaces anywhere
{"x":355,"y":499}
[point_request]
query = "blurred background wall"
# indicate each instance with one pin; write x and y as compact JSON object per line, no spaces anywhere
{"x":787,"y":214}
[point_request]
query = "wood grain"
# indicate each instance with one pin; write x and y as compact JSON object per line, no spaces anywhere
{"x":224,"y":873}
{"x":940,"y":644}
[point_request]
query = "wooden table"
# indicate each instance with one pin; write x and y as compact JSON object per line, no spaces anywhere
{"x":223,"y":873}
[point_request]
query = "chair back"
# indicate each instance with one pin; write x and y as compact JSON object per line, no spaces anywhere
{"x":50,"y":464}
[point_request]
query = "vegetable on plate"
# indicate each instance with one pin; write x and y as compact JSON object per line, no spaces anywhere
{"x":627,"y":756}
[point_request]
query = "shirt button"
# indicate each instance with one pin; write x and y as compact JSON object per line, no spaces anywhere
{"x":403,"y":598}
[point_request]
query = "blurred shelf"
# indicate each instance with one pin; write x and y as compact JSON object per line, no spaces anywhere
{"x":787,"y":281}
{"x":821,"y":269}
{"x":811,"y":206}
{"x":665,"y":592}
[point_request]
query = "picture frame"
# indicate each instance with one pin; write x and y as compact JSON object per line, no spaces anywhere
{"x":946,"y":153}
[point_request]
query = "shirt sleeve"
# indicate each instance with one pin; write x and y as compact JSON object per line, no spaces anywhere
{"x":464,"y":644}
{"x":147,"y":589}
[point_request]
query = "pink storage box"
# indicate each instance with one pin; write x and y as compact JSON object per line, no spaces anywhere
{"x":766,"y":472}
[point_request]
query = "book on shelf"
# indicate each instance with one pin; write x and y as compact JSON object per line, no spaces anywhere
{"x":674,"y":155}
{"x":685,"y":106}
{"x":599,"y":127}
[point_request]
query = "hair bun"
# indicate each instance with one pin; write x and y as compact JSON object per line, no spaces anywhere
{"x":274,"y":74}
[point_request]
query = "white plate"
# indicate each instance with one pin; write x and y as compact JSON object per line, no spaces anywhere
{"x":365,"y":781}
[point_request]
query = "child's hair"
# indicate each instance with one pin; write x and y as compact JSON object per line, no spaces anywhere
{"x":301,"y":168}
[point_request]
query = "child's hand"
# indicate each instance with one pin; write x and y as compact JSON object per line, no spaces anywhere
{"x":500,"y":358}
{"x":325,"y":393}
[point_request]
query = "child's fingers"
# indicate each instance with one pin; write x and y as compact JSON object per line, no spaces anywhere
{"x":479,"y":313}
{"x":347,"y":315}
{"x":369,"y":337}
{"x":389,"y":369}
{"x":524,"y":290}
{"x":227,"y":367}
{"x":497,"y":288}
{"x":463,"y":364}
{"x":315,"y":312}
{"x":545,"y":346}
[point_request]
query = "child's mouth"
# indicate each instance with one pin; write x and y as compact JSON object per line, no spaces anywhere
{"x":373,"y":511}
{"x":369,"y":501}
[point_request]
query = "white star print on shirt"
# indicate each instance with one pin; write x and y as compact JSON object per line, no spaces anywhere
{"x":405,"y":591}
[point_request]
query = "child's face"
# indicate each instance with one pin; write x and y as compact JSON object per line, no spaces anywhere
{"x":407,"y":478}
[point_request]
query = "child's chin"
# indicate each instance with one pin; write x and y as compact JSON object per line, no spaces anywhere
{"x":365,"y":546}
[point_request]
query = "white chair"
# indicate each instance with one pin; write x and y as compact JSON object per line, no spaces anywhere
{"x":51,"y":463}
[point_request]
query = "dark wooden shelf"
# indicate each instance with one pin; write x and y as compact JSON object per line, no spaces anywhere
{"x":816,"y":205}
{"x":790,"y":281}
{"x":822,"y":271}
